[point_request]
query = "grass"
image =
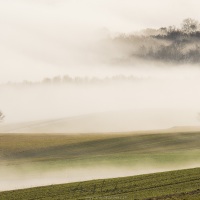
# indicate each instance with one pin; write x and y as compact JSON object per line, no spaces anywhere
{"x":165,"y":148}
{"x":177,"y":185}
{"x":47,"y":153}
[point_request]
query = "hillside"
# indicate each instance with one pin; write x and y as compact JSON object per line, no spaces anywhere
{"x":44,"y":159}
{"x":101,"y":122}
{"x":182,"y":185}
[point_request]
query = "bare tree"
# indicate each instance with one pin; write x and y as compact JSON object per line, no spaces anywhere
{"x":190,"y":26}
{"x":2,"y":116}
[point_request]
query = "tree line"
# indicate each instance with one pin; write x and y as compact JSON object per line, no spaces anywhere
{"x":66,"y":79}
{"x":168,"y":44}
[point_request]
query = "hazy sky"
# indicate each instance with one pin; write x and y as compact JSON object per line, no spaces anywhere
{"x":50,"y":37}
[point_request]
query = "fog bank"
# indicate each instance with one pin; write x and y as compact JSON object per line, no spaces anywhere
{"x":155,"y":100}
{"x":13,"y":178}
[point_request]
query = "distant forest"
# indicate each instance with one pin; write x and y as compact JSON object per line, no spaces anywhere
{"x":66,"y":79}
{"x":167,"y":44}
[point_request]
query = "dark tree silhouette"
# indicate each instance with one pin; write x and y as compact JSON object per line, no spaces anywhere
{"x":190,"y":26}
{"x":2,"y":116}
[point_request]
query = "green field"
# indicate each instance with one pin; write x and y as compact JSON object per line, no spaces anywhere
{"x":179,"y":185}
{"x":87,"y":149}
{"x":25,"y":156}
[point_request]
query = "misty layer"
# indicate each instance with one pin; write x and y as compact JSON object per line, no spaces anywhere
{"x":115,"y":106}
{"x":13,"y":179}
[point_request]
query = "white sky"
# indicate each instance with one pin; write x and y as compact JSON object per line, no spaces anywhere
{"x":42,"y":38}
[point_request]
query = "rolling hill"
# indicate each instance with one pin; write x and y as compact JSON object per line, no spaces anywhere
{"x":118,"y":121}
{"x":43,"y":159}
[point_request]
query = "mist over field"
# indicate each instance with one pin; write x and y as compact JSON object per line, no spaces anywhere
{"x":23,"y":177}
{"x":121,"y":67}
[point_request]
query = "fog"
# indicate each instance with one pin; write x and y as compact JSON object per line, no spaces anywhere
{"x":46,"y":38}
{"x":24,"y":177}
{"x":42,"y":39}
{"x":158,"y":99}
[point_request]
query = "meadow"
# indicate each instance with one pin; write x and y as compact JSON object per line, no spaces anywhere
{"x":116,"y":148}
{"x":30,"y":160}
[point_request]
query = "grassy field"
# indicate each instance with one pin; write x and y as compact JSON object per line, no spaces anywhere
{"x":179,"y":185}
{"x":127,"y":148}
{"x":44,"y":159}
